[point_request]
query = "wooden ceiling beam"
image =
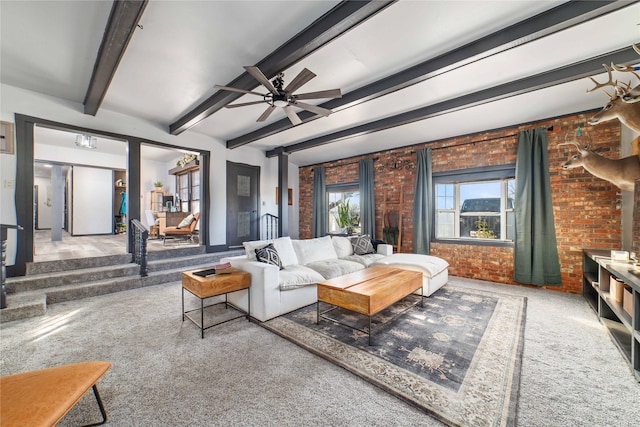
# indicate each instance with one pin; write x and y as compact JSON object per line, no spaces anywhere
{"x":528,"y":30}
{"x":342,"y":18}
{"x":543,"y":80}
{"x":122,"y":23}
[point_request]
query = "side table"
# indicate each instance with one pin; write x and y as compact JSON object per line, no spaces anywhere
{"x":213,"y":285}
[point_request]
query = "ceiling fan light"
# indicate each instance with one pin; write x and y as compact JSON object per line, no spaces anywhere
{"x":87,"y":141}
{"x":280,"y":103}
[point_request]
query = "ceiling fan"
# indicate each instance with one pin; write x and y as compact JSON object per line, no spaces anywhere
{"x":280,"y":96}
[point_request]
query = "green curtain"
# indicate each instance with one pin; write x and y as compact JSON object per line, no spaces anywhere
{"x":422,"y":203}
{"x":367,"y":201}
{"x":319,"y":206}
{"x":536,"y":253}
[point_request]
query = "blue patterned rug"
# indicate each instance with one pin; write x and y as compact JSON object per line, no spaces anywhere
{"x":458,"y":358}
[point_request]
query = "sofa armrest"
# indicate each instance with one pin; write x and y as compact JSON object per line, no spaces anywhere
{"x":265,"y":287}
{"x":384,"y":249}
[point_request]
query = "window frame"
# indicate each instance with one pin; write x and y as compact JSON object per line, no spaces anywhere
{"x":340,"y":188}
{"x":488,"y":173}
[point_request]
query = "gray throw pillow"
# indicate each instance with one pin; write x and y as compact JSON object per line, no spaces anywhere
{"x":269,"y":255}
{"x":362,"y":245}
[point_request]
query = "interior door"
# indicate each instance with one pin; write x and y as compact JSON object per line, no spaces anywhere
{"x":243,"y":184}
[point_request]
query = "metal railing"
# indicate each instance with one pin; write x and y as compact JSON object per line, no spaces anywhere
{"x":269,"y":226}
{"x":139,"y":236}
{"x":3,"y":243}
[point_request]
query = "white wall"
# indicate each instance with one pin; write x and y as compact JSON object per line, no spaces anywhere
{"x":91,"y":214}
{"x":16,"y":100}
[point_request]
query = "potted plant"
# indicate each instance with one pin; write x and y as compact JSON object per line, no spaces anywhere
{"x":343,"y":218}
{"x":158,"y":184}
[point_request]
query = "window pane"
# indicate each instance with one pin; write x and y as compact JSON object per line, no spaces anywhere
{"x":340,"y":198}
{"x":480,"y":226}
{"x":480,"y":197}
{"x":445,"y":226}
{"x":444,"y":196}
{"x":511,"y":225}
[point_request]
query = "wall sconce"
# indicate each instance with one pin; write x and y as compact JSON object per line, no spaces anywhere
{"x":87,"y":141}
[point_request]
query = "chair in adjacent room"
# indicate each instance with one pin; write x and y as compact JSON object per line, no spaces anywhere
{"x":152,"y":223}
{"x":186,"y":229}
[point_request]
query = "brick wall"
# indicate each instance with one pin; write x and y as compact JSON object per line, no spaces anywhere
{"x":586,"y":208}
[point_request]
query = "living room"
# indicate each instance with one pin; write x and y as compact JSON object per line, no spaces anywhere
{"x":466,"y":101}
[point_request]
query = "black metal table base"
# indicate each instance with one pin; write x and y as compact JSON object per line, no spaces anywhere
{"x":320,"y":314}
{"x":202,"y":307}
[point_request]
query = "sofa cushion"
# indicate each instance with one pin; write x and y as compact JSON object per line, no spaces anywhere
{"x":268,"y":255}
{"x":365,"y":260}
{"x":282,"y":245}
{"x":362,"y":245}
{"x":312,"y":250}
{"x":342,"y":245}
{"x":429,"y":265}
{"x":297,"y":276}
{"x":331,"y":268}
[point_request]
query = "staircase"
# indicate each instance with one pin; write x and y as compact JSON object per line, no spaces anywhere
{"x":57,"y":281}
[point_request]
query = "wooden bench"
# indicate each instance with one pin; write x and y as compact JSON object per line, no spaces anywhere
{"x":43,"y":397}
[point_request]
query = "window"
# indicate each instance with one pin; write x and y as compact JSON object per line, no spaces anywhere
{"x":188,"y":185}
{"x":479,"y":209}
{"x":343,"y":198}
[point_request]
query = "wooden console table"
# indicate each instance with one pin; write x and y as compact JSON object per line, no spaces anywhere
{"x":623,"y":327}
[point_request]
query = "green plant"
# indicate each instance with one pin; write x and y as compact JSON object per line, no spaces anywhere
{"x":483,"y":229}
{"x":343,"y":219}
{"x":158,"y":184}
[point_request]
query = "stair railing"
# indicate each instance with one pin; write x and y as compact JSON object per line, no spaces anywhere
{"x":269,"y":226}
{"x":3,"y":244}
{"x":139,"y":236}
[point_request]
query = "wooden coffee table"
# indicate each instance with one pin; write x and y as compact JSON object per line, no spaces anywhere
{"x":210,"y":286}
{"x":368,"y":291}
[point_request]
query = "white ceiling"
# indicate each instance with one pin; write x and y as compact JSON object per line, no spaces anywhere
{"x":184,"y":48}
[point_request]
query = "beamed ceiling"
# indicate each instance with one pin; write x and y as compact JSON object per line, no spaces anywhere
{"x":409,"y":71}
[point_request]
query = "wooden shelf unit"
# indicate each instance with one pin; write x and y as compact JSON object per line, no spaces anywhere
{"x":624,"y":328}
{"x":155,"y":200}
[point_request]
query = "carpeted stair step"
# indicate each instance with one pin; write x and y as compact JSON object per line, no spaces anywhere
{"x":63,"y":278}
{"x":45,"y":267}
{"x":187,"y":262}
{"x":23,"y":306}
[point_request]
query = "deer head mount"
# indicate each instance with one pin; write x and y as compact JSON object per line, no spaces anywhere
{"x":620,"y":172}
{"x":624,"y":104}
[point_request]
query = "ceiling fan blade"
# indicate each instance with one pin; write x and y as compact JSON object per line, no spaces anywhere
{"x":331,"y":93}
{"x":295,"y":120}
{"x":264,"y":81}
{"x":266,"y":113}
{"x":302,"y":78}
{"x":313,"y":108}
{"x":244,"y":104}
{"x":233,"y":89}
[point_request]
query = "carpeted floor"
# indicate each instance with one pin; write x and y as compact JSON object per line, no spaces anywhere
{"x":241,"y":374}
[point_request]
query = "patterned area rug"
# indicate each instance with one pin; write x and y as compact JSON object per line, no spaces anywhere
{"x":458,"y":358}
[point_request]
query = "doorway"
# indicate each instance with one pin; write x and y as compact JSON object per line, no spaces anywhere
{"x":243,"y":184}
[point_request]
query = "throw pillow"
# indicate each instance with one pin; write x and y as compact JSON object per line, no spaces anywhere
{"x":362,"y":245}
{"x":186,"y":221}
{"x":269,"y":255}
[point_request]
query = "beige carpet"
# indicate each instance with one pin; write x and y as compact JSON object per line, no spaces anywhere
{"x":240,"y":374}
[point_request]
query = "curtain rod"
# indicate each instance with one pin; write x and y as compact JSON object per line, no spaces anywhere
{"x":549,"y":129}
{"x":346,"y":164}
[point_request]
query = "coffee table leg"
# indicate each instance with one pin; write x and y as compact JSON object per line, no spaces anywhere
{"x":183,"y":304}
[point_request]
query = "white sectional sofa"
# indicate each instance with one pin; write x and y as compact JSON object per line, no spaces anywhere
{"x":276,"y":291}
